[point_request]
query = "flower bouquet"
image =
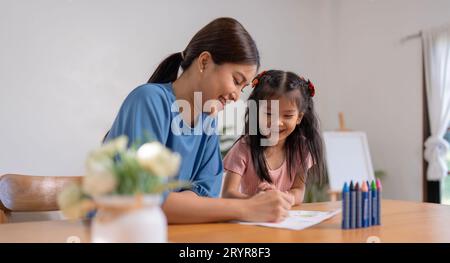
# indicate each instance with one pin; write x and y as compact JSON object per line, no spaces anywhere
{"x":122,"y":190}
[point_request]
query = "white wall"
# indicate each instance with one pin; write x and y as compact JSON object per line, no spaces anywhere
{"x":376,"y":80}
{"x":66,"y":66}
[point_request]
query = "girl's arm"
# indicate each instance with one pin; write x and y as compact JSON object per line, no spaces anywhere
{"x":187,"y":207}
{"x":297,"y":190}
{"x":231,"y":186}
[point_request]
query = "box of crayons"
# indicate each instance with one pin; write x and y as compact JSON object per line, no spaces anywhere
{"x":361,"y":204}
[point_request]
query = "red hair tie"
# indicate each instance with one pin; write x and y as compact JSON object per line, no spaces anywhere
{"x":311,"y":89}
{"x":256,"y":79}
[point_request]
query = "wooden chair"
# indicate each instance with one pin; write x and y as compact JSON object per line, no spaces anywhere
{"x":25,"y":193}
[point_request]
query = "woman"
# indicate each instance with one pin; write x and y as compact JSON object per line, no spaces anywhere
{"x":219,"y":61}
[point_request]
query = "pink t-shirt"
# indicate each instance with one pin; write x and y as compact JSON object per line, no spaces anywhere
{"x":239,"y":160}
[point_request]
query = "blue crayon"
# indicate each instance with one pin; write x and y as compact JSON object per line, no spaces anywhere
{"x":365,"y":205}
{"x":359,"y":207}
{"x":345,"y":207}
{"x":352,"y":206}
{"x":369,"y":209}
{"x":379,"y":189}
{"x":374,"y":204}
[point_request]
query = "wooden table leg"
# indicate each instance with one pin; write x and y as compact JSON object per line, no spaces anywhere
{"x":3,"y":218}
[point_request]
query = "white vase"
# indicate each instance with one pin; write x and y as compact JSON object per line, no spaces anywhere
{"x":120,"y":219}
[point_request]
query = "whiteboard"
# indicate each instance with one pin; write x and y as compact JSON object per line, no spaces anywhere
{"x":347,"y":158}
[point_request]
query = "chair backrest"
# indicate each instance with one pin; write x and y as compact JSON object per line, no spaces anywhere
{"x":25,"y":193}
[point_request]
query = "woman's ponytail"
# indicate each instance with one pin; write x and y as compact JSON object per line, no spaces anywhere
{"x":167,"y":70}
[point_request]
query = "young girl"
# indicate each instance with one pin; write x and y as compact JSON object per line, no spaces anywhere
{"x":296,"y":141}
{"x":219,"y":61}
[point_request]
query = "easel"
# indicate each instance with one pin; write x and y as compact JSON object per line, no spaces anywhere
{"x":342,"y":128}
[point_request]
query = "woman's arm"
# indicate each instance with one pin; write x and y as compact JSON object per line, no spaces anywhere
{"x":231,"y":186}
{"x":187,"y":207}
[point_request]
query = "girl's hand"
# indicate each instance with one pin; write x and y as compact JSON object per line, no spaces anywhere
{"x":291,"y":198}
{"x":271,"y":206}
{"x":265,"y":186}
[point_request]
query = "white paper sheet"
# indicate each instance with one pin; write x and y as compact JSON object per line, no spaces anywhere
{"x":299,"y":219}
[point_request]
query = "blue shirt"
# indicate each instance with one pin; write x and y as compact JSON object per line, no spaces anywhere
{"x":150,"y":109}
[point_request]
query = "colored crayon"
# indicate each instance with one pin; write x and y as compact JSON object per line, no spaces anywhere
{"x":379,"y":189}
{"x":352,"y":206}
{"x":359,"y":207}
{"x":374,"y":203}
{"x":369,"y":209}
{"x":345,"y":207}
{"x":365,"y":204}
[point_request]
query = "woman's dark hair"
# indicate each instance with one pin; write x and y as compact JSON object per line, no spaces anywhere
{"x":306,"y":138}
{"x":224,"y":38}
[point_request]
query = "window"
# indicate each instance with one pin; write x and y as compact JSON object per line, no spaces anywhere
{"x":446,"y":182}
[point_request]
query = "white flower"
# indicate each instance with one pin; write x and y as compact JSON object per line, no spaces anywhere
{"x":72,"y":204}
{"x":99,"y":178}
{"x":157,"y":159}
{"x":111,"y":148}
{"x":79,"y":210}
{"x":69,"y":196}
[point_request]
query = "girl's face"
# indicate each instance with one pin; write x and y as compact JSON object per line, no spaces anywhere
{"x":221,"y":84}
{"x":284,"y":122}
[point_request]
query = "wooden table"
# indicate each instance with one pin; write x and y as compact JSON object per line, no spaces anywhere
{"x":401,"y":222}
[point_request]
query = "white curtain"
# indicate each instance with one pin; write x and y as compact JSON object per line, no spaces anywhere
{"x":436,"y":45}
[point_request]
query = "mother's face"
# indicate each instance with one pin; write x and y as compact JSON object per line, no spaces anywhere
{"x":221,"y":84}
